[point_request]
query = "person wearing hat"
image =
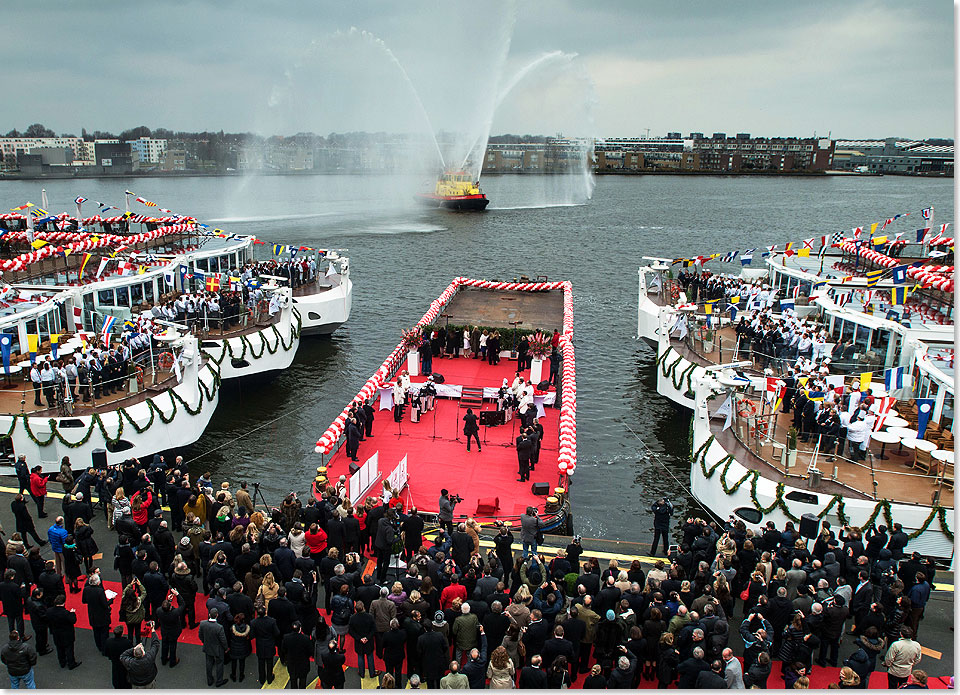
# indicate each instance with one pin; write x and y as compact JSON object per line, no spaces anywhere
{"x":834,"y":617}
{"x":432,"y":649}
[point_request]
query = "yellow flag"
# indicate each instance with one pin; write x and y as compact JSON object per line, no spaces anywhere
{"x":804,"y":253}
{"x":141,"y":270}
{"x":873,"y":228}
{"x":67,"y":252}
{"x":880,"y":240}
{"x":865,"y":379}
{"x":39,"y":243}
{"x":803,"y":381}
{"x":33,"y":343}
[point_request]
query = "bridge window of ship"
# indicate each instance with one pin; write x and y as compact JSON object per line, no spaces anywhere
{"x":239,"y":364}
{"x":748,"y":514}
{"x":72,"y":422}
{"x":119,"y":445}
{"x":805,"y":497}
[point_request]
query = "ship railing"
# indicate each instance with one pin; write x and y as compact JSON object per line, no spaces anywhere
{"x":768,"y":440}
{"x":721,"y":349}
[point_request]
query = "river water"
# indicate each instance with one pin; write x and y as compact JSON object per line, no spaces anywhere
{"x":402,"y":258}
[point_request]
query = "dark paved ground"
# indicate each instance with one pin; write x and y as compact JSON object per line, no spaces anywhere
{"x":936,"y":630}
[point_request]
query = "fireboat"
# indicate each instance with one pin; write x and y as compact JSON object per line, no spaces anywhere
{"x":455,"y":190}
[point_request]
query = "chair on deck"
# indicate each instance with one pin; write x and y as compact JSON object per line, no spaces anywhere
{"x":947,"y":475}
{"x":946,"y":441}
{"x":923,"y":461}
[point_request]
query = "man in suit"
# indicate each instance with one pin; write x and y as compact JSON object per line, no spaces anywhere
{"x":712,"y":679}
{"x":98,"y":610}
{"x":266,"y":635}
{"x":295,"y":651}
{"x":61,"y":627}
{"x":214,"y":641}
{"x":11,"y":597}
{"x":532,"y":677}
{"x":524,"y":447}
{"x":113,"y":648}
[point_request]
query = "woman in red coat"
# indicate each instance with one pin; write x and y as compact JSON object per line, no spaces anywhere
{"x":139,"y":507}
{"x":316,"y":539}
{"x":38,"y":489}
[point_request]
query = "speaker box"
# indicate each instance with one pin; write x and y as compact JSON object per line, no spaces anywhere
{"x":809,"y":525}
{"x":98,"y":458}
{"x":544,"y":385}
{"x":438,"y":378}
{"x":540,"y":488}
{"x":354,"y":467}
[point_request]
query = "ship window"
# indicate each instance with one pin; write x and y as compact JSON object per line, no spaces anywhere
{"x":136,"y":292}
{"x":148,"y":291}
{"x":70,"y":423}
{"x":748,"y":514}
{"x":123,"y":297}
{"x":210,"y":344}
{"x":313,"y":316}
{"x":119,"y":445}
{"x":239,"y":364}
{"x":804,"y":497}
{"x":105,"y":298}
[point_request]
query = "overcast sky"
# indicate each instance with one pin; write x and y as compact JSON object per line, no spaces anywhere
{"x":605,"y":67}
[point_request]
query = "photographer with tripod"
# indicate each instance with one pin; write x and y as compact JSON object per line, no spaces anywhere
{"x":446,"y":506}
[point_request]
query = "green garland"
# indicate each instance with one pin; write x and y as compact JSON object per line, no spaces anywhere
{"x":97,"y":421}
{"x":882,"y":507}
{"x":246,"y":345}
{"x":670,"y":371}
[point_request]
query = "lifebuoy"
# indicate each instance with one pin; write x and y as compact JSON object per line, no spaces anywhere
{"x":675,"y":292}
{"x":759,"y":429}
{"x":746,"y":408}
{"x":165,"y":361}
{"x":140,"y":377}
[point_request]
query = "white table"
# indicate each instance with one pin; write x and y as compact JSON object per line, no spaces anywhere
{"x":386,"y":397}
{"x":894,"y":421}
{"x":942,"y":455}
{"x":15,"y":370}
{"x":884,"y":438}
{"x":921,"y":444}
{"x":903,"y":433}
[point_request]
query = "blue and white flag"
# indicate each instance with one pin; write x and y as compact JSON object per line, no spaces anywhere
{"x":746,"y":257}
{"x":921,"y":233}
{"x":6,"y":343}
{"x":924,"y":411}
{"x":786,"y":304}
{"x":893,"y":378}
{"x":169,"y":277}
{"x":900,"y":275}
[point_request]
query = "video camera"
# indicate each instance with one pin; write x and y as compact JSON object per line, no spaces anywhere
{"x":456,"y":499}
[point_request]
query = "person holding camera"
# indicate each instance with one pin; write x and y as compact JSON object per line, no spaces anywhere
{"x":529,"y":531}
{"x":662,"y":510}
{"x":446,"y":506}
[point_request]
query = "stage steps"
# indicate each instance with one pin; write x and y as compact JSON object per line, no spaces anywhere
{"x":471,"y":397}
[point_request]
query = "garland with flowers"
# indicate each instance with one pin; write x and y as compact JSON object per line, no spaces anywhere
{"x":699,"y":457}
{"x":246,"y":344}
{"x":97,"y":421}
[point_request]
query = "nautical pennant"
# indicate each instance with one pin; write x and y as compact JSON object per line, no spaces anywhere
{"x":893,"y":378}
{"x":873,"y":277}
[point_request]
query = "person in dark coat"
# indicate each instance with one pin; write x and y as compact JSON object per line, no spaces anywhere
{"x":116,"y":645}
{"x":332,"y":675}
{"x":363,"y":629}
{"x":295,"y":651}
{"x":239,"y":638}
{"x":470,"y":428}
{"x":266,"y":636}
{"x":394,"y":645}
{"x":214,"y":641}
{"x":662,"y":509}
{"x":156,"y":586}
{"x":11,"y":597}
{"x":170,"y":621}
{"x":98,"y":610}
{"x":532,"y":677}
{"x":36,"y":608}
{"x":712,"y":679}
{"x":690,"y":669}
{"x":64,"y":636}
{"x":432,"y":650}
{"x":24,"y":522}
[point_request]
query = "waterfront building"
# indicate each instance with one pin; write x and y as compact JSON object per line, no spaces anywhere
{"x":148,"y":150}
{"x":894,"y":156}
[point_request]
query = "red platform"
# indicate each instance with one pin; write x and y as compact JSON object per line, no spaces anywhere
{"x":443,"y":462}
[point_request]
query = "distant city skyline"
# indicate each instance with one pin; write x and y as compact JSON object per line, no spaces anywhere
{"x":869,"y":69}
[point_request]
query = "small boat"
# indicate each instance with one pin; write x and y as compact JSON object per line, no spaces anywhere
{"x":455,"y":190}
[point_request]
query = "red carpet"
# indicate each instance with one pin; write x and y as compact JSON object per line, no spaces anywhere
{"x":444,"y":462}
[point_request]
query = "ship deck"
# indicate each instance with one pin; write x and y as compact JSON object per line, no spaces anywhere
{"x":436,"y":448}
{"x":502,"y":308}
